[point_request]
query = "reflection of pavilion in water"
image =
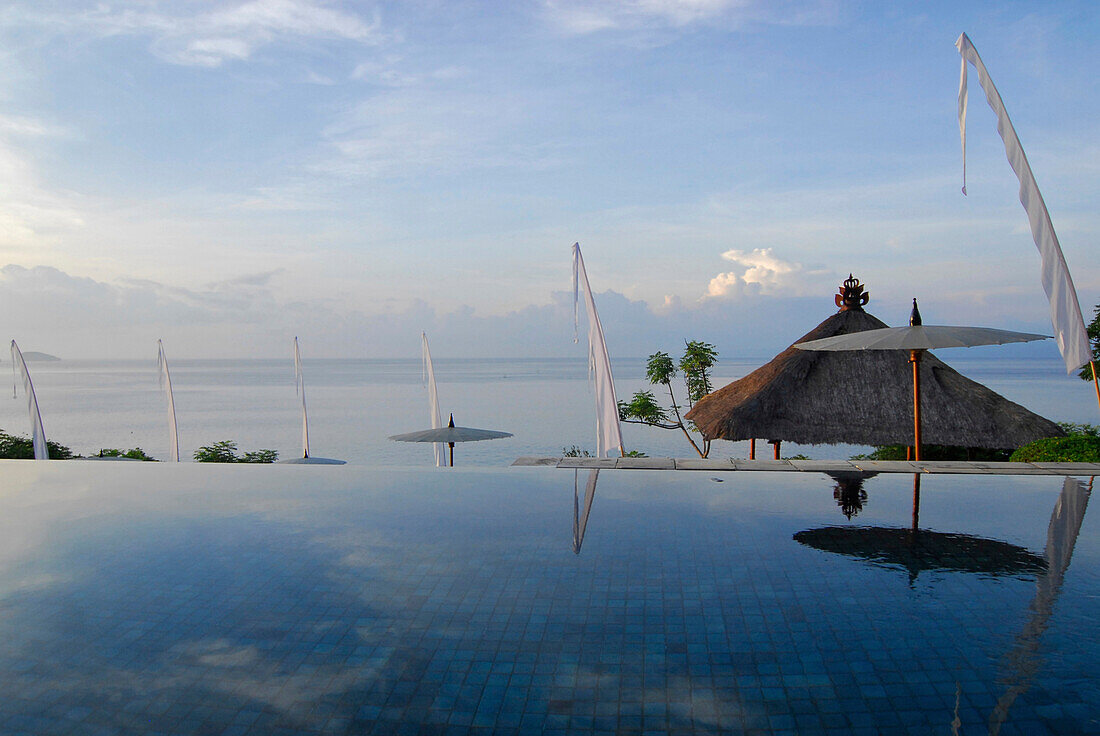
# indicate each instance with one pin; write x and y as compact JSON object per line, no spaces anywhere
{"x":848,"y":491}
{"x":917,"y":550}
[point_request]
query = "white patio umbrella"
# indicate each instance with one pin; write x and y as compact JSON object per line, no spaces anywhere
{"x":451,"y":434}
{"x":916,"y":338}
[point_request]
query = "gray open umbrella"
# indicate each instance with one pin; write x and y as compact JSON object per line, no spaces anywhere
{"x":451,"y":434}
{"x":916,"y":338}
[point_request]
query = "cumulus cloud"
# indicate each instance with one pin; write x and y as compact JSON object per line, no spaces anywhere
{"x":760,"y":270}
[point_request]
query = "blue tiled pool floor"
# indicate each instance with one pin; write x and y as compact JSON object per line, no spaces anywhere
{"x":135,"y":600}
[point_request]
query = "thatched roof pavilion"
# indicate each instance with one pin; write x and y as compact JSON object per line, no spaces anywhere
{"x":863,"y":397}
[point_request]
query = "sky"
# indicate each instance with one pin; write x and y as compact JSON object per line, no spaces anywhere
{"x":227,"y":175}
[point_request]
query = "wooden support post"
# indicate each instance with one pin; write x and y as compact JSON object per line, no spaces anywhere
{"x":914,"y":358}
{"x":916,"y":501}
{"x":752,"y":449}
{"x":775,"y":444}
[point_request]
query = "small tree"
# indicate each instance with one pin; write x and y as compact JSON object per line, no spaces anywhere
{"x":643,"y":408}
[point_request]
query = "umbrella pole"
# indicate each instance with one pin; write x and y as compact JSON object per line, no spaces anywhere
{"x":914,"y":358}
{"x":916,"y":501}
{"x":451,"y":445}
{"x":1092,"y":364}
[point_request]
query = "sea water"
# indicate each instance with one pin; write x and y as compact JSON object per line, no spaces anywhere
{"x":354,"y":405}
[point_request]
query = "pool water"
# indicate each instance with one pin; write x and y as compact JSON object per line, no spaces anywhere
{"x":158,"y":599}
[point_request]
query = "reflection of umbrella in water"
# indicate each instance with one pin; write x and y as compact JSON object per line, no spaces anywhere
{"x":451,"y":434}
{"x":916,"y":338}
{"x":921,"y":550}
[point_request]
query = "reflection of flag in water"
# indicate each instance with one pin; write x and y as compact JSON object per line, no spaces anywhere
{"x":580,"y":520}
{"x":609,"y":435}
{"x":300,"y":387}
{"x":1023,"y":661}
{"x":433,"y":401}
{"x":38,"y":433}
{"x":1065,"y":311}
{"x":166,"y":384}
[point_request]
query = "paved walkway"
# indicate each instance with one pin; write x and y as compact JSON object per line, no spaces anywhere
{"x":814,"y":466}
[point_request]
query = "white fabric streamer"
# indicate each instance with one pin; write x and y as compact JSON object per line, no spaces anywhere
{"x":166,"y":384}
{"x":38,"y":433}
{"x":608,"y":432}
{"x":300,"y":388}
{"x":1065,"y":310}
{"x":433,"y":401}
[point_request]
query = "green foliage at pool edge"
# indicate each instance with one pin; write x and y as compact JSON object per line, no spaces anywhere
{"x":936,"y":452}
{"x":1078,"y":448}
{"x":13,"y":447}
{"x":225,"y":451}
{"x":135,"y":453}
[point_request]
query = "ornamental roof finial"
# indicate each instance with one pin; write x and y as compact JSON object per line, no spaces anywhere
{"x":851,"y":295}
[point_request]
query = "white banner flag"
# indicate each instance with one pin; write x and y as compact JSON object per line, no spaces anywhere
{"x":166,"y":384}
{"x":38,"y":433}
{"x":608,"y":433}
{"x":433,"y":401}
{"x":1065,"y":311}
{"x":300,"y":387}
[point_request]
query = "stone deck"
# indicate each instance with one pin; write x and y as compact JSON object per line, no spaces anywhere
{"x":813,"y":466}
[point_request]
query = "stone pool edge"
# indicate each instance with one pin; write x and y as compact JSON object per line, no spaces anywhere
{"x":812,"y":466}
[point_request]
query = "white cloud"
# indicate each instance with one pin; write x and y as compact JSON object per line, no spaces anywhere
{"x":30,"y":213}
{"x":760,"y":269}
{"x":403,"y":132}
{"x":210,"y":38}
{"x":590,"y":16}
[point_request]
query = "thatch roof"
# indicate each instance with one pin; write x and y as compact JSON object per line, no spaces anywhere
{"x":863,"y":398}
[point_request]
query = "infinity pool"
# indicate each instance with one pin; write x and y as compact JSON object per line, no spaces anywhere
{"x":158,"y":599}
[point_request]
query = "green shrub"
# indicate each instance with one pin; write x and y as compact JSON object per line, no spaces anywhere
{"x":13,"y":447}
{"x":260,"y":456}
{"x":226,"y":452}
{"x":1077,"y":448}
{"x":134,"y":454}
{"x":936,"y":452}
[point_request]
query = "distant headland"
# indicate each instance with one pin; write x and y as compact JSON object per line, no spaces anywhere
{"x":32,"y":355}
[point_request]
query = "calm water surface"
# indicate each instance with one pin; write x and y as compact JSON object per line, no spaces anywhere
{"x":140,"y":598}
